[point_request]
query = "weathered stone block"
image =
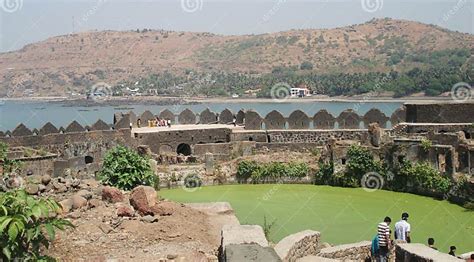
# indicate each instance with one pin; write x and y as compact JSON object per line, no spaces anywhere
{"x":250,"y":252}
{"x":420,"y":253}
{"x":357,"y":251}
{"x":298,"y":245}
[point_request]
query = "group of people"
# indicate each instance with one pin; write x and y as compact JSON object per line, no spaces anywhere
{"x":155,"y":123}
{"x":382,"y":242}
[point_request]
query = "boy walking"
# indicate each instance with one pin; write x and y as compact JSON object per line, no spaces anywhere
{"x":383,"y":233}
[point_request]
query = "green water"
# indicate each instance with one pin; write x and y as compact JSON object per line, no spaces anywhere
{"x":342,"y":215}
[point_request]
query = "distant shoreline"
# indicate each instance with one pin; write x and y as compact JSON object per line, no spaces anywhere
{"x":158,"y":100}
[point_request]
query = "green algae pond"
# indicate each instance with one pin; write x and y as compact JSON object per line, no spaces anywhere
{"x":342,"y":215}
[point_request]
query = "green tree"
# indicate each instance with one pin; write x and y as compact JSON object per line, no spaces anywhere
{"x":126,"y":169}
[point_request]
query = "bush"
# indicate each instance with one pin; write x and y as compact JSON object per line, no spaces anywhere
{"x":126,"y":169}
{"x":426,"y":144}
{"x":361,"y":162}
{"x":8,"y":165}
{"x":422,"y":177}
{"x":325,"y":174}
{"x":268,"y":172}
{"x":245,"y":169}
{"x":26,"y":225}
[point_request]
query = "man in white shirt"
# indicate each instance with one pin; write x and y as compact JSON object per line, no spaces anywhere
{"x":402,"y":229}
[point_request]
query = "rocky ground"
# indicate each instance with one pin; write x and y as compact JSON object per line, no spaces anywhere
{"x":115,"y":225}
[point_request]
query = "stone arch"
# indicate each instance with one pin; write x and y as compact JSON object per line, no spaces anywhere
{"x":35,"y":131}
{"x":21,"y":130}
{"x":168,"y":115}
{"x":73,"y":127}
{"x":147,"y":116}
{"x":275,"y":120}
{"x":226,"y":117}
{"x":348,"y":119}
{"x":323,"y":120}
{"x":187,"y":117}
{"x":240,"y":117}
{"x":375,"y":116}
{"x":298,"y":120}
{"x":253,"y":121}
{"x":100,"y":125}
{"x":184,"y":149}
{"x":165,"y":149}
{"x":207,"y":117}
{"x":47,"y":129}
{"x":398,"y":116}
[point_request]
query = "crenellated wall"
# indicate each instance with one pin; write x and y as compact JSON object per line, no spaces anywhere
{"x":348,"y":119}
{"x":75,"y":147}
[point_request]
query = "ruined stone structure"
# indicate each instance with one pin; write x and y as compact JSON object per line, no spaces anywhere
{"x":452,"y":149}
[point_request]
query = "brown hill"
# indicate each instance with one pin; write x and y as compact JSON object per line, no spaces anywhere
{"x":71,"y":63}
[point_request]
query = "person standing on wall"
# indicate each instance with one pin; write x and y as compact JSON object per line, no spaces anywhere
{"x":402,"y":229}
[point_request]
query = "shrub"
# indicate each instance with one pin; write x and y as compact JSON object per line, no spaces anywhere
{"x":245,"y":169}
{"x":325,"y":174}
{"x":360,"y":163}
{"x":426,"y":144}
{"x":26,"y":225}
{"x":273,"y":171}
{"x":126,"y":169}
{"x":8,"y":165}
{"x":422,"y":177}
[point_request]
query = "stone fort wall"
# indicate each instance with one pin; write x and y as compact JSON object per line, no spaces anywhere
{"x":348,"y":119}
{"x":75,"y":147}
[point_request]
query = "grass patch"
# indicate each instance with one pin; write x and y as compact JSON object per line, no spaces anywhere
{"x":342,"y":215}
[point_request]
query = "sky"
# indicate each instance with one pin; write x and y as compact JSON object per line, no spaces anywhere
{"x":27,"y":21}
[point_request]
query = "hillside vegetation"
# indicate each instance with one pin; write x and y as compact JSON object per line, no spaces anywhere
{"x":383,"y":54}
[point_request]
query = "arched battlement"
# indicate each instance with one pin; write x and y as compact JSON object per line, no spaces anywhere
{"x":146,"y":116}
{"x":323,"y":120}
{"x":47,"y":129}
{"x":207,"y":117}
{"x":240,"y":117}
{"x":348,"y":119}
{"x":375,"y":116}
{"x":99,"y":125}
{"x":226,"y":117}
{"x":275,"y":120}
{"x":21,"y":130}
{"x":298,"y":120}
{"x":74,"y":127}
{"x":253,"y":121}
{"x":187,"y":117}
{"x":167,"y":115}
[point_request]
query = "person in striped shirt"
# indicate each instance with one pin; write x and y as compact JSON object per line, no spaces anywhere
{"x":383,"y":232}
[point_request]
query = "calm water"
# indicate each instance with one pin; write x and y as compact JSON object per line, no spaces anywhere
{"x":36,"y":114}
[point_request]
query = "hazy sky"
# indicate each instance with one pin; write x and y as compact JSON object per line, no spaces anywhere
{"x":27,"y":21}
